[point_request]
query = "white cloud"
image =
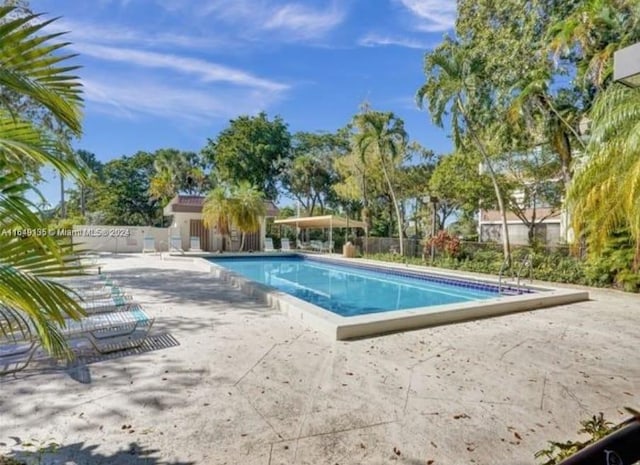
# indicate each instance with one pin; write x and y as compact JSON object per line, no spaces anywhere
{"x":375,"y":40}
{"x":156,"y":74}
{"x":205,"y":70}
{"x":132,"y":97}
{"x":293,"y":21}
{"x":304,"y":21}
{"x":433,"y":15}
{"x":92,"y":32}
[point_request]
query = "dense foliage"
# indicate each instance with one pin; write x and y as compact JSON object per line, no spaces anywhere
{"x":252,"y":149}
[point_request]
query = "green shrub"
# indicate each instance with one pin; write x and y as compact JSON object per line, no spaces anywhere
{"x":628,"y":281}
{"x":610,"y":269}
{"x":557,"y":267}
{"x":596,"y":427}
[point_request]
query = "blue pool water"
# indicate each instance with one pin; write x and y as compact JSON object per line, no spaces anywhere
{"x":348,"y":290}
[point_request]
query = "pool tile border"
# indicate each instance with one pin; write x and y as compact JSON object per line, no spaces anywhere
{"x":426,"y":276}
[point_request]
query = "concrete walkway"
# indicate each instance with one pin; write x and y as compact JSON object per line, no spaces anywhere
{"x":225,"y":380}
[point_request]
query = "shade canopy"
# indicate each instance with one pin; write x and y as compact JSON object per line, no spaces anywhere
{"x":325,"y":221}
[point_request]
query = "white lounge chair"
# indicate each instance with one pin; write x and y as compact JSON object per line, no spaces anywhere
{"x":87,"y":282}
{"x":268,"y":245}
{"x":106,"y":332}
{"x":98,"y":292}
{"x":194,"y":244}
{"x":302,"y":245}
{"x":176,"y":245}
{"x":328,"y":246}
{"x":113,"y":303}
{"x":316,"y":246}
{"x":285,"y":244}
{"x":149,"y":245}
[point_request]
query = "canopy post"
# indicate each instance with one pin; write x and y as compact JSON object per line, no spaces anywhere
{"x":330,"y":232}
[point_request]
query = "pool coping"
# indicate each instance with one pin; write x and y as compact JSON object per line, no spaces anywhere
{"x":374,"y":324}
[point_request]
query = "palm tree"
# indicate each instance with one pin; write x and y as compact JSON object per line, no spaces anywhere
{"x":605,"y":194}
{"x":455,"y":85}
{"x":216,"y":212}
{"x":247,"y":207}
{"x":94,"y":174}
{"x":385,"y":135}
{"x":29,"y":300}
{"x":590,"y":31}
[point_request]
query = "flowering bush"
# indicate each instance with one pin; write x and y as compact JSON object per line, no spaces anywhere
{"x":444,"y":242}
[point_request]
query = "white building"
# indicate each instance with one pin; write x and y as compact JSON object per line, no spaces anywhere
{"x":186,"y":221}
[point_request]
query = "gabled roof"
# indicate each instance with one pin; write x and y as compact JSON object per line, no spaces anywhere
{"x":193,"y":204}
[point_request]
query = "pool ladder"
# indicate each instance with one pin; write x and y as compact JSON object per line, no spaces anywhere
{"x":525,"y":264}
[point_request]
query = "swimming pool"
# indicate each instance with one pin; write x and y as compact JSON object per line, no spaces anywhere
{"x":347,"y":290}
{"x":351,"y":298}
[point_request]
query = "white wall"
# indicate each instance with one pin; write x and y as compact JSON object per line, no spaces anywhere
{"x":550,"y":233}
{"x":117,"y":239}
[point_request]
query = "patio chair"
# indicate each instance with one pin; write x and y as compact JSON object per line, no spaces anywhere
{"x":98,"y":292}
{"x":88,"y":259}
{"x":106,"y":332}
{"x":316,"y":246}
{"x":285,"y":245}
{"x":175,"y":245}
{"x":87,"y":282}
{"x":327,"y":246}
{"x":194,"y":244}
{"x":149,"y":245}
{"x":106,"y":296}
{"x":113,"y":303}
{"x":302,"y":245}
{"x":268,"y":245}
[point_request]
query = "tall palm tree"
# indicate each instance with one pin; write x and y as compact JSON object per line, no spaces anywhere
{"x":216,"y":212}
{"x":384,"y":134}
{"x":605,"y":193}
{"x":247,"y":207}
{"x":455,"y":87}
{"x":32,"y":68}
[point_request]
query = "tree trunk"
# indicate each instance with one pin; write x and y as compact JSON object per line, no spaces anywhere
{"x":82,"y":200}
{"x":395,"y":203}
{"x":63,"y":207}
{"x":242,"y":242}
{"x":532,"y":227}
{"x":365,"y":208}
{"x":506,"y":248}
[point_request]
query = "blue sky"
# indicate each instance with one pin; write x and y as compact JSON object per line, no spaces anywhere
{"x":171,"y":73}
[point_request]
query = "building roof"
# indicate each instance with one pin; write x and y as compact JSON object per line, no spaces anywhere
{"x":325,"y":221}
{"x":193,"y":204}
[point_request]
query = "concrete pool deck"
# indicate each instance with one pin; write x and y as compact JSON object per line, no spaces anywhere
{"x":227,"y":380}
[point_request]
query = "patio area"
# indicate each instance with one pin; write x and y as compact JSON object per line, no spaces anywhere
{"x":225,"y":380}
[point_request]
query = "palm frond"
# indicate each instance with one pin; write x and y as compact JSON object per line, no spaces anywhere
{"x":30,"y":66}
{"x":20,"y":140}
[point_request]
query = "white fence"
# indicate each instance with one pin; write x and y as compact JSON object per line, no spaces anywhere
{"x":117,"y":239}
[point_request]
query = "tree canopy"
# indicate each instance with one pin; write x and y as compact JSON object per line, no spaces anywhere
{"x":253,"y":149}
